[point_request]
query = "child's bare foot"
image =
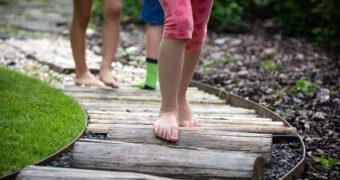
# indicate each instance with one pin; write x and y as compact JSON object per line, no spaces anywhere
{"x":86,"y":79}
{"x":166,"y":127}
{"x":186,"y":117}
{"x":105,"y":75}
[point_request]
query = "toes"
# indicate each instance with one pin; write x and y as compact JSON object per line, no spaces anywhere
{"x":165,"y":132}
{"x":156,"y":129}
{"x":115,"y":85}
{"x":174,"y":135}
{"x":191,"y":124}
{"x":196,"y":123}
{"x":168,"y":134}
{"x":87,"y":84}
{"x":160,"y":132}
{"x":111,"y":84}
{"x":94,"y":84}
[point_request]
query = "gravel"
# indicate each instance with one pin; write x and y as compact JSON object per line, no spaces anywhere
{"x":90,"y":135}
{"x":63,"y":161}
{"x":285,"y":157}
{"x":17,"y":54}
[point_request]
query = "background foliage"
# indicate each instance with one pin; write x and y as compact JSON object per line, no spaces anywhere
{"x":315,"y":19}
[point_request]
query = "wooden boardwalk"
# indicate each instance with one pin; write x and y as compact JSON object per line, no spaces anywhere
{"x":231,"y":142}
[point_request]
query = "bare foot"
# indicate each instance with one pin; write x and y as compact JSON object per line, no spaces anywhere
{"x":186,"y":117}
{"x":106,"y":77}
{"x":166,"y":127}
{"x":86,"y":79}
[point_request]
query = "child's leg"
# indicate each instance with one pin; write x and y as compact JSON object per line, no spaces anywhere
{"x":153,"y":39}
{"x":178,"y":28}
{"x":81,"y":18}
{"x":152,"y":13}
{"x":171,"y":54}
{"x":111,"y":12}
{"x":201,"y":12}
{"x":185,"y":115}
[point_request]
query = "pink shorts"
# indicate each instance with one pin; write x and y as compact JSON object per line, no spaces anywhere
{"x":187,"y":19}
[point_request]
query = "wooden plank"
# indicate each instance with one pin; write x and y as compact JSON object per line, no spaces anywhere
{"x":125,"y":88}
{"x":127,"y":104}
{"x":192,"y":93}
{"x":251,"y":129}
{"x":200,"y":118}
{"x":115,"y":103}
{"x":143,"y":98}
{"x":156,"y":114}
{"x":202,"y":122}
{"x":156,"y":110}
{"x":218,"y":140}
{"x":52,"y":173}
{"x":103,"y":128}
{"x":164,"y":161}
{"x":132,"y":95}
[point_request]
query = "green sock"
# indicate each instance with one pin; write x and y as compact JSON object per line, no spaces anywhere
{"x":150,"y":81}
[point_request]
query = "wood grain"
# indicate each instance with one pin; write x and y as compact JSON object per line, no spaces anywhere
{"x":217,"y":140}
{"x":53,"y":173}
{"x":103,"y":128}
{"x":204,"y":100}
{"x":164,"y":161}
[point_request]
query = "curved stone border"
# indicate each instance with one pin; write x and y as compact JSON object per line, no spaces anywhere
{"x":238,"y":101}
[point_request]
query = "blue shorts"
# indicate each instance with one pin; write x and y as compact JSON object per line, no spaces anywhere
{"x":152,"y":12}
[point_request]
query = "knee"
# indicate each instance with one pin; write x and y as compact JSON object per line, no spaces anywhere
{"x":184,"y":25}
{"x":112,"y":10}
{"x":81,"y":20}
{"x":178,"y":28}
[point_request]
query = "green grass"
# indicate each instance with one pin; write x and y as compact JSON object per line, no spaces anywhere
{"x":36,"y":120}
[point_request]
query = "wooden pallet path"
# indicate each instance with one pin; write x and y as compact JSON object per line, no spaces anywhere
{"x":231,"y":142}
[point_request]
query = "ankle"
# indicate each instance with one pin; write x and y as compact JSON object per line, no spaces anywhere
{"x":81,"y":72}
{"x":105,"y":67}
{"x":169,"y":110}
{"x":182,"y":101}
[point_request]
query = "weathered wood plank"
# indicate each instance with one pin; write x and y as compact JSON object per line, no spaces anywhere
{"x":190,"y":96}
{"x":122,"y":88}
{"x":153,"y":114}
{"x":115,"y":103}
{"x":218,"y":140}
{"x":103,"y":128}
{"x":154,"y":117}
{"x":52,"y":173}
{"x":143,"y":98}
{"x":251,"y":129}
{"x":142,"y":109}
{"x":137,"y":104}
{"x":202,"y":122}
{"x":190,"y":93}
{"x":164,"y":161}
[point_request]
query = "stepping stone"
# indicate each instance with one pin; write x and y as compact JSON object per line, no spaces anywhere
{"x":165,"y":161}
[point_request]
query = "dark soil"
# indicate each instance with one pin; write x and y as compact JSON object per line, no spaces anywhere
{"x":235,"y":62}
{"x":315,"y":113}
